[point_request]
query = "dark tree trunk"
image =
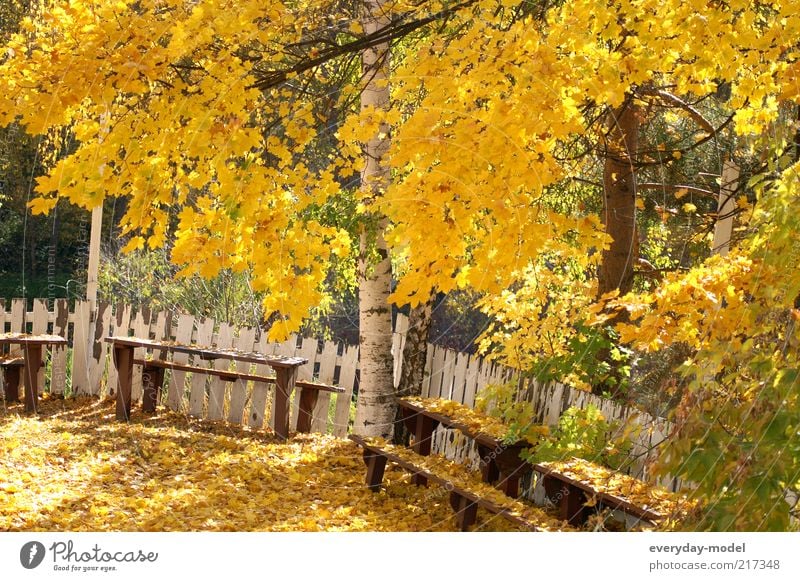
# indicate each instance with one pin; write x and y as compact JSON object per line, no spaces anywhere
{"x":619,"y":218}
{"x":619,"y":207}
{"x":412,"y":372}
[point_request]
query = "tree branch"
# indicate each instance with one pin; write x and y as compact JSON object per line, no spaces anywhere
{"x":660,"y":186}
{"x":394,"y":30}
{"x":681,"y":104}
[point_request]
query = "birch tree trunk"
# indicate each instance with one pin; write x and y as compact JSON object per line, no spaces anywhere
{"x":375,"y":410}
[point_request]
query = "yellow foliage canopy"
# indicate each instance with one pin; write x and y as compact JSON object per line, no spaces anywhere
{"x":162,"y":98}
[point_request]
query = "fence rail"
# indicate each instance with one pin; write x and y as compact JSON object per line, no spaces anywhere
{"x":448,"y":374}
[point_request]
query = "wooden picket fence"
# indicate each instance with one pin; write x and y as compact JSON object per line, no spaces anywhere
{"x":449,"y":374}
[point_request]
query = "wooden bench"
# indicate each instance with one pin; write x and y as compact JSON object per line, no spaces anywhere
{"x":153,"y":377}
{"x":12,"y":367}
{"x":32,"y":347}
{"x":124,"y":350}
{"x":575,"y":496}
{"x":500,"y":462}
{"x":463,"y":501}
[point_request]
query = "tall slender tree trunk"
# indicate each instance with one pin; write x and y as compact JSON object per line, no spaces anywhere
{"x":619,"y":218}
{"x":619,"y":208}
{"x":415,"y":351}
{"x":375,"y":411}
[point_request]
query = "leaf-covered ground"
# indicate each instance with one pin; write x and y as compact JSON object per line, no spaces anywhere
{"x":73,"y":467}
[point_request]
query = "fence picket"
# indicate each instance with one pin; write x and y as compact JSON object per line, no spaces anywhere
{"x":141,"y":328}
{"x":448,"y":367}
{"x":426,"y":376}
{"x":308,"y":350}
{"x":347,"y":380}
{"x":58,"y":368}
{"x":177,"y":381}
{"x":239,"y":388}
{"x":437,"y":372}
{"x":197,"y":395}
{"x":471,"y":381}
{"x":460,"y":376}
{"x":398,"y":344}
{"x":261,"y":390}
{"x":98,"y":348}
{"x":120,"y":325}
{"x":80,"y":349}
{"x":39,"y":327}
{"x":17,"y":323}
{"x":327,"y":366}
{"x":217,"y":387}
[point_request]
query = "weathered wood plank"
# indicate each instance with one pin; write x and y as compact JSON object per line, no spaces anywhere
{"x":471,"y":380}
{"x":244,"y":342}
{"x":347,"y":379}
{"x":177,"y":381}
{"x":437,"y":372}
{"x":39,"y":327}
{"x":261,"y":390}
{"x":327,"y":367}
{"x":58,"y":369}
{"x":120,"y":327}
{"x":81,"y":338}
{"x":197,"y":396}
{"x":426,"y":376}
{"x":398,"y":344}
{"x":448,"y":367}
{"x":217,"y":387}
{"x":17,"y":324}
{"x":141,"y":328}
{"x":460,"y":376}
{"x":307,"y":350}
{"x":98,"y":349}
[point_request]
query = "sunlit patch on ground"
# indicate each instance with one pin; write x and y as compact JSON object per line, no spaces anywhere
{"x":73,"y":467}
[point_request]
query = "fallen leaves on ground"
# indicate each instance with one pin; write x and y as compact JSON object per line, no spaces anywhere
{"x":471,"y":482}
{"x":671,"y":506}
{"x":73,"y":467}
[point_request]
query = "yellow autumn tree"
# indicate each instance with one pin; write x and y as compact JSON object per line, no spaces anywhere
{"x":203,"y":107}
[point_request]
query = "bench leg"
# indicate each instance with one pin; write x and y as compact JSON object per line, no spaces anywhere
{"x":11,"y":384}
{"x":33,"y":360}
{"x":308,"y":399}
{"x":152,"y":380}
{"x":123,"y":359}
{"x":409,"y":419}
{"x":423,"y":436}
{"x":376,"y":466}
{"x":569,"y":500}
{"x":509,"y":483}
{"x":489,"y":469}
{"x":466,"y":510}
{"x":284,"y":384}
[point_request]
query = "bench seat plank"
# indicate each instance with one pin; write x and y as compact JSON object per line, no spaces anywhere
{"x":615,"y":490}
{"x":465,"y":496}
{"x":500,"y":462}
{"x":226,"y":375}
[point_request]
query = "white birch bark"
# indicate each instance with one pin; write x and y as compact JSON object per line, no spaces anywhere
{"x":375,"y":409}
